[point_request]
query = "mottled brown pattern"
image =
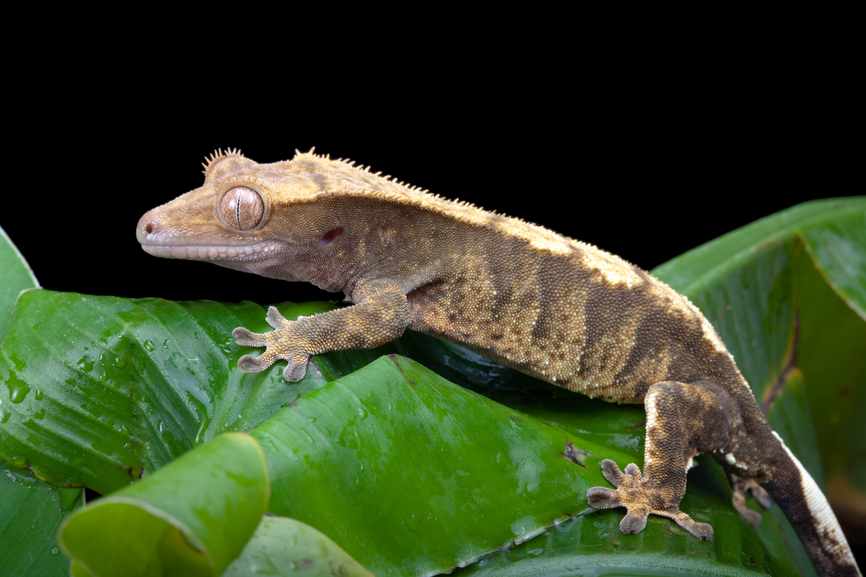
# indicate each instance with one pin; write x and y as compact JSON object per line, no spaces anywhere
{"x":552,"y":307}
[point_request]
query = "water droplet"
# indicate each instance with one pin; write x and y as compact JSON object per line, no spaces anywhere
{"x":40,"y":414}
{"x":18,"y":389}
{"x":39,"y":394}
{"x":119,"y":363}
{"x":4,"y":416}
{"x":55,"y":550}
{"x":149,"y":345}
{"x":85,"y":364}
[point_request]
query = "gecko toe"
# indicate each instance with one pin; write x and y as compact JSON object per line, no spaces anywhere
{"x":602,"y":498}
{"x":251,"y":364}
{"x":294,"y":372}
{"x":612,"y":473}
{"x":702,"y":531}
{"x":762,"y":496}
{"x":247,"y":338}
{"x":276,"y":320}
{"x":632,"y":524}
{"x":750,"y":517}
{"x":247,"y":364}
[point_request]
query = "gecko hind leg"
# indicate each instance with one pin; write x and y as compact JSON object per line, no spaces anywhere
{"x":683,"y":420}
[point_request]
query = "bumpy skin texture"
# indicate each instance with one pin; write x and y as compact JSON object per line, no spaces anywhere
{"x":557,"y":309}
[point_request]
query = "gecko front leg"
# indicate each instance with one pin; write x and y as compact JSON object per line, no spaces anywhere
{"x":683,"y":420}
{"x":380,"y":315}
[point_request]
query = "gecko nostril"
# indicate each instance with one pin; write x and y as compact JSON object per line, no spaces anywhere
{"x":148,"y":228}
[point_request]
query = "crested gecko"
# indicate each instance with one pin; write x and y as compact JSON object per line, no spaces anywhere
{"x":554,"y":308}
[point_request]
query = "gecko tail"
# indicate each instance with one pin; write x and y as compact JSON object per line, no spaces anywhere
{"x":796,"y":492}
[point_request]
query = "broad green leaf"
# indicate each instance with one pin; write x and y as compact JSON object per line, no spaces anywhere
{"x":101,"y":390}
{"x":17,"y":277}
{"x":414,"y":475}
{"x":594,"y":545}
{"x":836,"y":247}
{"x":287,"y":547}
{"x":606,"y":424}
{"x":832,"y":334}
{"x":192,"y":517}
{"x":444,"y":475}
{"x":30,"y":512}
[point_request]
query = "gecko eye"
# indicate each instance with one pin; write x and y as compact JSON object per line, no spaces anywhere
{"x":242,"y":208}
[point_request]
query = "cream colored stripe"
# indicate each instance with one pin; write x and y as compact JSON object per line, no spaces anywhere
{"x":821,"y":512}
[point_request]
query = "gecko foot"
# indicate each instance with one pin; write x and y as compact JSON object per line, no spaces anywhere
{"x":281,"y":343}
{"x":641,"y":497}
{"x":739,"y":488}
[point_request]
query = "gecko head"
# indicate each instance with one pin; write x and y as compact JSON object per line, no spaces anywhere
{"x":246,"y":216}
{"x":212,"y":222}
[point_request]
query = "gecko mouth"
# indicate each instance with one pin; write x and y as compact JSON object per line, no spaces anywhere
{"x":205,"y":252}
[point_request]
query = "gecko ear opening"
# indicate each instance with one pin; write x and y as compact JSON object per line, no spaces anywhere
{"x":331,"y":235}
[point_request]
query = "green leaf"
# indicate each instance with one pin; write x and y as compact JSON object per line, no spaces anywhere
{"x":192,"y":517}
{"x":593,"y":544}
{"x":30,"y":511}
{"x":103,"y":389}
{"x":833,"y":333}
{"x":283,"y":546}
{"x":447,"y":475}
{"x":17,"y":277}
{"x":394,"y":450}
